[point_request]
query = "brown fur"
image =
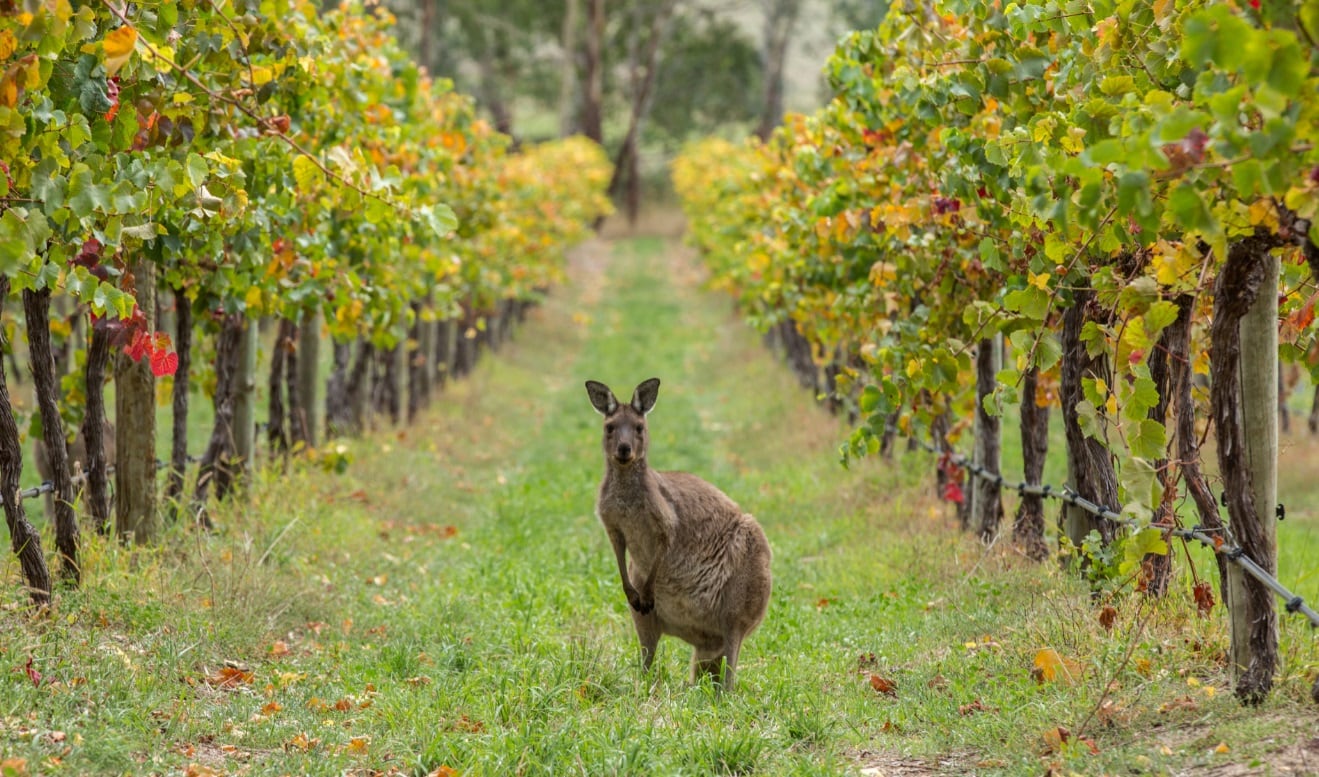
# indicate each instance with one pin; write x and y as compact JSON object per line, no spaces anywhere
{"x":693,"y":564}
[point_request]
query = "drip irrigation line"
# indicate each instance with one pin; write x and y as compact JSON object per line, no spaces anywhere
{"x":1234,"y":553}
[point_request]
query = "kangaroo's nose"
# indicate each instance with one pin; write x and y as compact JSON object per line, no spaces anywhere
{"x":624,"y":451}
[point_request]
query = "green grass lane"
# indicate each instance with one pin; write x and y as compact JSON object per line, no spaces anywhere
{"x":452,"y":603}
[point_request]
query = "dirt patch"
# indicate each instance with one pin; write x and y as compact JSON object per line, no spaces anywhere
{"x":1301,"y":758}
{"x":873,"y":764}
{"x":651,"y":222}
{"x":588,"y":265}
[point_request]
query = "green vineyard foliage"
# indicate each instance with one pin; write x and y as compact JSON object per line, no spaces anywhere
{"x":270,"y":158}
{"x":980,"y":163}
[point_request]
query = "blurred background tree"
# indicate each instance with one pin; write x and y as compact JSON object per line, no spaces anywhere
{"x":640,"y":76}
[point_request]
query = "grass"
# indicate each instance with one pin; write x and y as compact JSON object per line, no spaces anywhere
{"x":451,"y":602}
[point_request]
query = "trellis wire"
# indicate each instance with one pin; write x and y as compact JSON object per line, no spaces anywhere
{"x":48,"y":486}
{"x":1234,"y":554}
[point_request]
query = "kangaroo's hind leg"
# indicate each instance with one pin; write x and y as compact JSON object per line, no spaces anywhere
{"x":719,"y":663}
{"x":648,"y":634}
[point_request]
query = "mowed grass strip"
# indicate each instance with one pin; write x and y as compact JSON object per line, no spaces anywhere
{"x":451,"y":603}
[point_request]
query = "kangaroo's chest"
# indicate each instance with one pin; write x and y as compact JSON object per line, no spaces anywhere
{"x":643,"y":524}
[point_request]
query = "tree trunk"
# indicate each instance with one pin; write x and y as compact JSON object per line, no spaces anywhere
{"x":359,"y":388}
{"x":245,"y":402}
{"x":465,"y":355}
{"x":1243,"y":353}
{"x":989,"y":498}
{"x":1089,"y":463}
{"x":23,"y":537}
{"x":1028,"y":524}
{"x":425,"y":54}
{"x":446,"y":347}
{"x":1177,"y":339}
{"x":1314,"y":411}
{"x":780,"y":18}
{"x":309,"y":356}
{"x":568,"y":73}
{"x":644,"y":74}
{"x":416,"y":358}
{"x":94,"y":428}
{"x":136,"y":519}
{"x":395,"y":365}
{"x":1156,"y":569}
{"x":593,"y":98}
{"x":338,"y":408}
{"x":178,"y":455}
{"x":218,"y":462}
{"x":36,"y":309}
{"x":276,"y":430}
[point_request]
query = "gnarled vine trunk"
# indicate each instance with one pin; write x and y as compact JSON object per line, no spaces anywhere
{"x":23,"y":537}
{"x":218,"y":463}
{"x":36,"y":307}
{"x":309,"y":357}
{"x":94,"y":428}
{"x":987,"y":501}
{"x":1028,"y":524}
{"x":1089,"y":464}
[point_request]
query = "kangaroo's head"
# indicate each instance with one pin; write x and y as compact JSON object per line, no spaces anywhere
{"x":625,"y":425}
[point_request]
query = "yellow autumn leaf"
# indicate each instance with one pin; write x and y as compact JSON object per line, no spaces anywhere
{"x":261,"y":75}
{"x":1263,"y":214}
{"x":7,"y":44}
{"x":1040,"y":281}
{"x":1071,"y":142}
{"x":1222,"y":748}
{"x":883,"y":272}
{"x":119,"y":45}
{"x":8,"y":91}
{"x":358,"y":745}
{"x":1050,"y":666}
{"x":306,"y":172}
{"x":253,"y":298}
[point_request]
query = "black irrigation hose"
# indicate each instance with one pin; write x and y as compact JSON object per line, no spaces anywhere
{"x":1234,"y":554}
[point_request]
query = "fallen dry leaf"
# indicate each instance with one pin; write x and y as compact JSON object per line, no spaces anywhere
{"x":1184,"y":703}
{"x":1049,"y":666}
{"x":1107,"y":617}
{"x":278,"y":649}
{"x":358,"y":745}
{"x":229,"y":677}
{"x":972,"y":708}
{"x":883,"y":685}
{"x":301,"y":742}
{"x":1204,"y":598}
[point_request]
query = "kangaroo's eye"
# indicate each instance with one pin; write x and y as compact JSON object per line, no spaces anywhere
{"x":609,"y":428}
{"x":641,"y":430}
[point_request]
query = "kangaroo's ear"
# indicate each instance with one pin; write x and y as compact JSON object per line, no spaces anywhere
{"x":643,"y":399}
{"x":602,"y":399}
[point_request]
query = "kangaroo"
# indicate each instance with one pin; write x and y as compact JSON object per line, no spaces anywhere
{"x":693,"y":564}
